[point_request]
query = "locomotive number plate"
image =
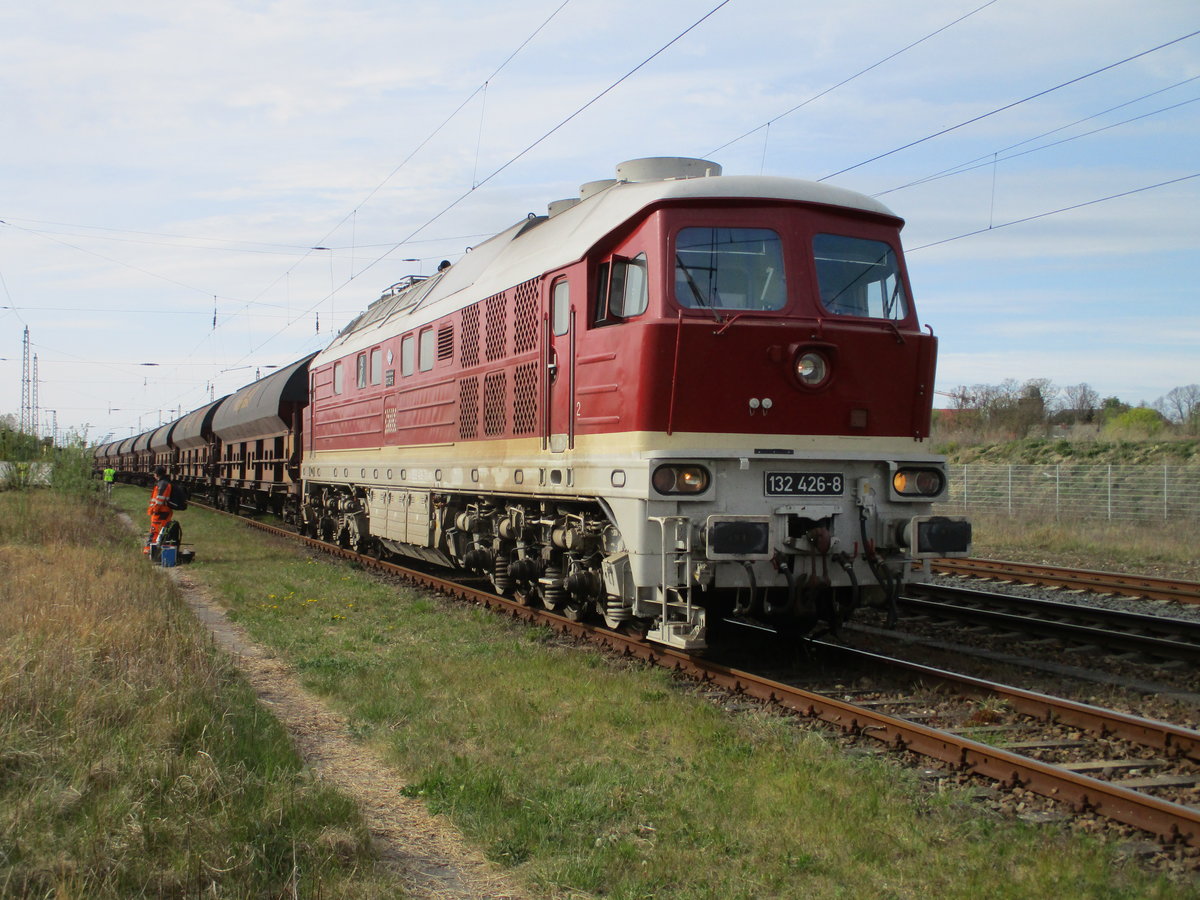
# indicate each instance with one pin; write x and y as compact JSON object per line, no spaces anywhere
{"x":804,"y":484}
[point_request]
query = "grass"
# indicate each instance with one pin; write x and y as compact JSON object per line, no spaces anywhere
{"x":1074,"y":450}
{"x":1146,"y":548}
{"x":134,"y":761}
{"x":586,"y":775}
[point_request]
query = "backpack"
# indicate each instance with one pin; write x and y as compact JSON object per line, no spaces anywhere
{"x":179,"y":497}
{"x":172,"y":533}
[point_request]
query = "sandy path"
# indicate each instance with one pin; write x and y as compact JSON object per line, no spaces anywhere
{"x":427,"y":853}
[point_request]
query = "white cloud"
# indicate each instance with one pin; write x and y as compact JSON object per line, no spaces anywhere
{"x":271,"y":122}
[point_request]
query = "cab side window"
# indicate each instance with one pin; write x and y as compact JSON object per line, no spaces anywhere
{"x":377,"y":365}
{"x":622,"y":290}
{"x":560,"y":307}
{"x":426,"y":349}
{"x":407,"y":355}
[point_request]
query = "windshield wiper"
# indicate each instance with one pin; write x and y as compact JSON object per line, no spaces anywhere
{"x":701,"y":300}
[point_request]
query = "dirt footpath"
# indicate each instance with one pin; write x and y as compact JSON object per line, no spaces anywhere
{"x":426,"y":852}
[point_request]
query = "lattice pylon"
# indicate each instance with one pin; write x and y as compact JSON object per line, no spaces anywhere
{"x":33,"y":407}
{"x":26,"y":405}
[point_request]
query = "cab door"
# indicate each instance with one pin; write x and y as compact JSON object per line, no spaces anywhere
{"x":558,"y":366}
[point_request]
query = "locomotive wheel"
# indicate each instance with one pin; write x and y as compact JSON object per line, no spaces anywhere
{"x":526,"y":593}
{"x":636,"y":628}
{"x":575,"y":611}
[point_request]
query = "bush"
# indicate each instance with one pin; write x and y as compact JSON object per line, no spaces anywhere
{"x":71,"y":471}
{"x":1134,"y":423}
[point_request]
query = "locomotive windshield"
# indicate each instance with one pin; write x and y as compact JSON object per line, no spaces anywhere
{"x":858,"y":277}
{"x":729,"y":268}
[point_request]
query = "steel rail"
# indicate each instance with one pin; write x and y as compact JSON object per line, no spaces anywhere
{"x":1157,"y":646}
{"x":1172,"y":740}
{"x":1148,"y":586}
{"x":1171,"y":822}
{"x":1144,"y":623}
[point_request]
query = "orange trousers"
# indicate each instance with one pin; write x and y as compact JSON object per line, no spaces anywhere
{"x":159,"y":517}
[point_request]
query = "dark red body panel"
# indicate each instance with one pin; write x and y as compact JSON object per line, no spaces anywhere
{"x":670,"y":369}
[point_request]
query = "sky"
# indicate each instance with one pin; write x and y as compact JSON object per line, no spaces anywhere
{"x":194,"y":192}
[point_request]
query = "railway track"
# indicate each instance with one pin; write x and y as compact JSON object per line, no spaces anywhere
{"x":1096,"y":760}
{"x":961,"y":750}
{"x":1145,"y":586}
{"x":1156,"y":637}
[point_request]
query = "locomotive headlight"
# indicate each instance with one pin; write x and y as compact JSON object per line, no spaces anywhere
{"x":673,"y":479}
{"x":812,"y":368}
{"x":918,"y":482}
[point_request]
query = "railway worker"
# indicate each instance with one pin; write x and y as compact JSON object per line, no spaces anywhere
{"x":160,"y":513}
{"x":110,"y":475}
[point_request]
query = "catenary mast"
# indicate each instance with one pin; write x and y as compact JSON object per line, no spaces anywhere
{"x":26,"y":404}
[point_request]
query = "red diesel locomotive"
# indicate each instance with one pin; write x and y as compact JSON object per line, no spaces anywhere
{"x":679,"y":396}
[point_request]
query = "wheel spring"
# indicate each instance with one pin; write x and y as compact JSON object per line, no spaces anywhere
{"x":500,"y":579}
{"x":615,"y":610}
{"x":552,"y":589}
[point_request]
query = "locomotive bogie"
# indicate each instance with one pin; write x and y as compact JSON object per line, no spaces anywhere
{"x":786,"y":533}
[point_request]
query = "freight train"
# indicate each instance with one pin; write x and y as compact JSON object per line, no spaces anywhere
{"x":677,"y":398}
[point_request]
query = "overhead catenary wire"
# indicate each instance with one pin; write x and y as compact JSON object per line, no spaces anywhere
{"x":875,"y":65}
{"x":992,"y":158}
{"x":1008,"y":106}
{"x":506,"y":164}
{"x":324,"y":240}
{"x":352,"y":214}
{"x":185,"y":241}
{"x":367,"y":253}
{"x":1053,"y":212}
{"x":569,"y":118}
{"x":52,"y":238}
{"x":209,"y":335}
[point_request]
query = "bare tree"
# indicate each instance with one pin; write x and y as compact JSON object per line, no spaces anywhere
{"x":962,"y":397}
{"x":1181,"y":405}
{"x":1082,"y":402}
{"x":1034,"y":403}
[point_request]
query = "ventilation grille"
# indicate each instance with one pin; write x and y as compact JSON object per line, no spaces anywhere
{"x":495,"y":386}
{"x":389,"y":415}
{"x":468,"y":408}
{"x":446,"y":342}
{"x":496,"y":326}
{"x":525,"y":317}
{"x":525,"y":398}
{"x":469,"y":346}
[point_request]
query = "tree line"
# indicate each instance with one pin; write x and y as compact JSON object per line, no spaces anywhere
{"x":1014,"y":409}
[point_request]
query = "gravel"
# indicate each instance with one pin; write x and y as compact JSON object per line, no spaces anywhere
{"x":1167,"y":609}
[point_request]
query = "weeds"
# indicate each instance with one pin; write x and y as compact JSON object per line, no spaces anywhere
{"x":133,"y":761}
{"x":1150,"y":548}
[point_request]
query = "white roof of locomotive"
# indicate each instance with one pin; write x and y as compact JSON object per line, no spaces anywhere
{"x":536,"y":245}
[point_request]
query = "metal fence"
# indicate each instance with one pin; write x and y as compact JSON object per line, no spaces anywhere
{"x":1076,"y":491}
